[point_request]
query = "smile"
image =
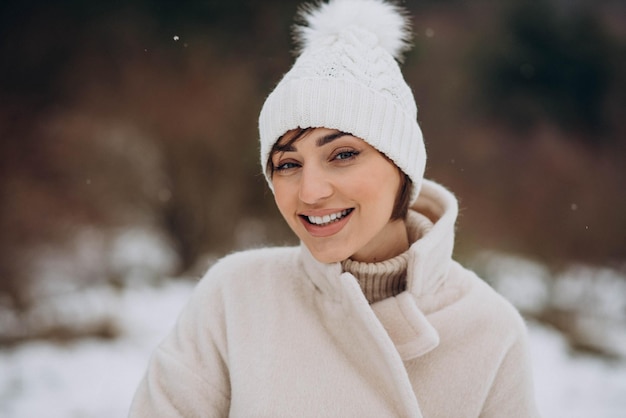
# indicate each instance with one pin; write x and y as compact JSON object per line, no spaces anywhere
{"x":327,"y":219}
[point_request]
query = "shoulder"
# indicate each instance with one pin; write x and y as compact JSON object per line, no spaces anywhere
{"x":257,"y":266}
{"x":482,"y":308}
{"x":252,"y":260}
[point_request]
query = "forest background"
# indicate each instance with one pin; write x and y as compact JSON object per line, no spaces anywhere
{"x":140,"y":117}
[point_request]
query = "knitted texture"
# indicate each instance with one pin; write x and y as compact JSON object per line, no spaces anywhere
{"x":347,"y":78}
{"x":381,"y":280}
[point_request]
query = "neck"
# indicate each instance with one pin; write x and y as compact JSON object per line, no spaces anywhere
{"x":392,"y":241}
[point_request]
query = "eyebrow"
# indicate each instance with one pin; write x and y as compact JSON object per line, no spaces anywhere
{"x":289,"y":147}
{"x":329,"y":138}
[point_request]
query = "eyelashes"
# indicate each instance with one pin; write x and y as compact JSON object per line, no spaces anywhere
{"x":339,"y":156}
{"x":285,"y":166}
{"x":346,"y":154}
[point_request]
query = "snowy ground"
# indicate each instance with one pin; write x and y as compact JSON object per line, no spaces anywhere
{"x":96,"y":379}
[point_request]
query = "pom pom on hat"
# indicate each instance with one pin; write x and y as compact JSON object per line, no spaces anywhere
{"x":347,"y":78}
{"x":388,"y":22}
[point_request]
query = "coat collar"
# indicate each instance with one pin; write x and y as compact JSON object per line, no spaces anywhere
{"x":429,"y":261}
{"x":432,"y":253}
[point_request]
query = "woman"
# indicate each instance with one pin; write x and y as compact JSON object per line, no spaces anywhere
{"x":369,"y":316}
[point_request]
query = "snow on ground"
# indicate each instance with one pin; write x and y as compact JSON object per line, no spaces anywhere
{"x":569,"y":385}
{"x":93,"y":378}
{"x":97,"y":379}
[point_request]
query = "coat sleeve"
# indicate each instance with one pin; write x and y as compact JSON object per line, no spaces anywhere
{"x":187,"y":375}
{"x":512,"y":393}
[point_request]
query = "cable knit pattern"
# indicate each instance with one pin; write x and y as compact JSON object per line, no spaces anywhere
{"x":352,"y":56}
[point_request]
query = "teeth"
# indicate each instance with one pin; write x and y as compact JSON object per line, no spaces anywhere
{"x":326,"y":219}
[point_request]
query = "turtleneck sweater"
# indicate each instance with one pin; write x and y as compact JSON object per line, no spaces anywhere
{"x":387,"y":278}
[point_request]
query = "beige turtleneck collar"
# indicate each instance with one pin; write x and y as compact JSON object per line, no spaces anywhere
{"x":379,"y":280}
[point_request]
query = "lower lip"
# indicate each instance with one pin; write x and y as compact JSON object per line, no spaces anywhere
{"x":321,"y":231}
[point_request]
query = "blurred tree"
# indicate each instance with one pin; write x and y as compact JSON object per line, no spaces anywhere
{"x":546,"y":65}
{"x":131,"y":111}
{"x":144,"y":111}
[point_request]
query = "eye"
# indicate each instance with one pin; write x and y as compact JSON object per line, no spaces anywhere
{"x":345,"y":154}
{"x":284,"y":166}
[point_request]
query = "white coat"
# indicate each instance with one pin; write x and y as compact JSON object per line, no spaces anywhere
{"x":275,"y":333}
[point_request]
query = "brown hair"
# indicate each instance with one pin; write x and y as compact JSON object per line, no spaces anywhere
{"x":403,"y":197}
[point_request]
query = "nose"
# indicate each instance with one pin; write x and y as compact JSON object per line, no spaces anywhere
{"x":314,"y":185}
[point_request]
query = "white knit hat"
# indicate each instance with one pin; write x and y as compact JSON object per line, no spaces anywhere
{"x":347,"y":78}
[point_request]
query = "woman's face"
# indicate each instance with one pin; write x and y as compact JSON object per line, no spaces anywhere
{"x":337,"y":194}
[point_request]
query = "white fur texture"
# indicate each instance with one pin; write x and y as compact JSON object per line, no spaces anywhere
{"x":387,"y":21}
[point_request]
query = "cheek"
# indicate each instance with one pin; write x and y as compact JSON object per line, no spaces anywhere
{"x":380,"y":183}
